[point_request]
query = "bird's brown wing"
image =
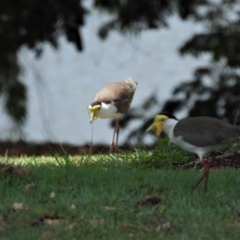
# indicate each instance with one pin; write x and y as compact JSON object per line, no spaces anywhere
{"x":206,"y":131}
{"x":119,"y":93}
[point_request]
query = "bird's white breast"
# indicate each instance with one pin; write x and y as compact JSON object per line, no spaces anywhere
{"x":108,"y":111}
{"x":168,"y":127}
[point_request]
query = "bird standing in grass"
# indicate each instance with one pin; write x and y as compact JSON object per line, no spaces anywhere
{"x":199,"y":135}
{"x":112,"y":101}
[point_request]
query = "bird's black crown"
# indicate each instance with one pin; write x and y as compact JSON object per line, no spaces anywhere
{"x":169,"y":115}
{"x":96,"y":103}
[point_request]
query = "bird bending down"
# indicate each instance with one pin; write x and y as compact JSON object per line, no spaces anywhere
{"x":112,"y":101}
{"x":199,"y":135}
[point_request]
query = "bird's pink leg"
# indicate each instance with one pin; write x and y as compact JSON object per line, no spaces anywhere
{"x":206,"y":171}
{"x":116,"y":131}
{"x":112,"y":141}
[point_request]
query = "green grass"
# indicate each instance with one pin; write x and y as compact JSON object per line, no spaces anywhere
{"x":97,"y":195}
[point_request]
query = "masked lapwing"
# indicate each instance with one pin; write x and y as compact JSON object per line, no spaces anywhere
{"x":199,"y":135}
{"x":112,"y":101}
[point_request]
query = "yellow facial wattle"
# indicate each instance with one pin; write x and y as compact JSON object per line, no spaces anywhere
{"x":94,"y":111}
{"x":156,"y":127}
{"x":158,"y":123}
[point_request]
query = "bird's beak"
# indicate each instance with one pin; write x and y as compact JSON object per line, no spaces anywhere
{"x":157,"y":127}
{"x":94,"y":112}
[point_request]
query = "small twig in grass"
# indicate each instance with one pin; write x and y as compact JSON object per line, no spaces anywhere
{"x":154,"y":200}
{"x":141,"y":227}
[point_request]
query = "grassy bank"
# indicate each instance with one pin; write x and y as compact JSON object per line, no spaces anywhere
{"x":104,"y":197}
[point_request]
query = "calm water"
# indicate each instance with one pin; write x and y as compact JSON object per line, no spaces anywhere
{"x":62,"y":83}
